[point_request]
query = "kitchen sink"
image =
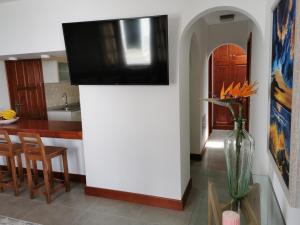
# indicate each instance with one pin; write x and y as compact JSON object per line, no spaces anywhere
{"x":69,"y":108}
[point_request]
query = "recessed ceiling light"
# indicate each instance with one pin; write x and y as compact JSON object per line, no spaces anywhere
{"x":12,"y":58}
{"x":45,"y":56}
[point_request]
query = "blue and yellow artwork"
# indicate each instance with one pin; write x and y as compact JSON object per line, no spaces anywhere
{"x":283,"y":42}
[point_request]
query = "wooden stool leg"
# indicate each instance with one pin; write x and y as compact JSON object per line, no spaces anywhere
{"x":47,"y":182}
{"x":14,"y":175}
{"x":35,"y":172}
{"x":29,"y":177}
{"x":20,"y":168}
{"x":50,"y":172}
{"x":8,"y":166}
{"x":1,"y":184}
{"x":66,"y":171}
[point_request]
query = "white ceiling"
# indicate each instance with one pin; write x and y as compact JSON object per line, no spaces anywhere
{"x":214,"y":18}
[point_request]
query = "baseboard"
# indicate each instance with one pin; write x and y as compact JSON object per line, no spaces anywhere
{"x":77,"y":178}
{"x":187,"y":193}
{"x":140,"y":198}
{"x":198,"y":157}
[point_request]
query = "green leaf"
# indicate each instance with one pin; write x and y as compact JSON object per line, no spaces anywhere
{"x":223,"y":102}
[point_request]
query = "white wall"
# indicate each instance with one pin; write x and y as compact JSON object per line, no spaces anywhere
{"x":4,"y":96}
{"x":135,"y":138}
{"x":259,"y":102}
{"x":134,"y":143}
{"x":198,"y":87}
{"x":234,"y":33}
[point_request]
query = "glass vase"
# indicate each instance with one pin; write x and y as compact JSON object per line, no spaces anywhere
{"x":239,"y":148}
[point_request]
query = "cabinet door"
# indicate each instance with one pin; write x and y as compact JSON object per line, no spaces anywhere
{"x":50,"y":71}
{"x":63,"y":71}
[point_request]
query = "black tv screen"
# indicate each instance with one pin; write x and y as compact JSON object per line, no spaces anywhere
{"x":120,"y":51}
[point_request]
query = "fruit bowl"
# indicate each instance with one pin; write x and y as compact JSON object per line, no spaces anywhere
{"x":5,"y":122}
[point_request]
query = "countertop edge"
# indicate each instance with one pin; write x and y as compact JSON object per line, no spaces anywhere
{"x":47,"y":129}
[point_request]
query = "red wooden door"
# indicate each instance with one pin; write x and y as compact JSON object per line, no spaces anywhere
{"x":229,"y":64}
{"x":26,"y":88}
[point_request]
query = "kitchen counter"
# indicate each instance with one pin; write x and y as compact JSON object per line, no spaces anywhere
{"x":63,"y":113}
{"x":45,"y":128}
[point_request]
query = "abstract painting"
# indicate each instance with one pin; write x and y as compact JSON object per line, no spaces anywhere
{"x":283,"y":45}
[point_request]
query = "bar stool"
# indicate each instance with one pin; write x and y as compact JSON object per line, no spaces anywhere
{"x":35,"y":150}
{"x":11,"y":151}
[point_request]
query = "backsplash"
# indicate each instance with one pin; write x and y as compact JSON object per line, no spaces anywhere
{"x":54,"y":92}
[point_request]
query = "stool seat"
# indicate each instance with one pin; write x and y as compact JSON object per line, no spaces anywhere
{"x":16,"y":149}
{"x":50,"y":152}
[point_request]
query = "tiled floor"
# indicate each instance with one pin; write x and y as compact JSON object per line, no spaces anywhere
{"x":75,"y":208}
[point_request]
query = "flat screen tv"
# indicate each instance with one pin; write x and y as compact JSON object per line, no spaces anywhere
{"x":120,"y":51}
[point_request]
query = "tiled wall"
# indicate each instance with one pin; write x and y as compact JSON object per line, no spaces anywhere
{"x":54,"y":92}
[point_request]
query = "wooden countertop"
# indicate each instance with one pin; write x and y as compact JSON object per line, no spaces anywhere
{"x":45,"y":128}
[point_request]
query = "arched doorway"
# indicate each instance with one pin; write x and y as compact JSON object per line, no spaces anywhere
{"x":228,"y":64}
{"x":258,"y":68}
{"x":216,"y":36}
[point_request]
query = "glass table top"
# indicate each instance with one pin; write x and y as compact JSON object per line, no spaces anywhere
{"x":269,"y":208}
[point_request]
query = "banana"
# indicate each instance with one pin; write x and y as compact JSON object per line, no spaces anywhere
{"x":8,"y":114}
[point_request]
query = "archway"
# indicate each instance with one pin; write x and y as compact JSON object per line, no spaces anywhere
{"x":190,"y":33}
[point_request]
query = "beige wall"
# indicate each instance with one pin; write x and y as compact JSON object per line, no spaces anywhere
{"x":54,"y":92}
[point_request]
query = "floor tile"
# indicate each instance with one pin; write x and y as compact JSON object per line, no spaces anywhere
{"x":53,"y":215}
{"x":118,"y":208}
{"x":98,"y":218}
{"x":164,"y":216}
{"x":16,"y":207}
{"x":76,"y":198}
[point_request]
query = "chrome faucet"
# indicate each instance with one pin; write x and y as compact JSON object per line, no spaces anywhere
{"x":65,"y":97}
